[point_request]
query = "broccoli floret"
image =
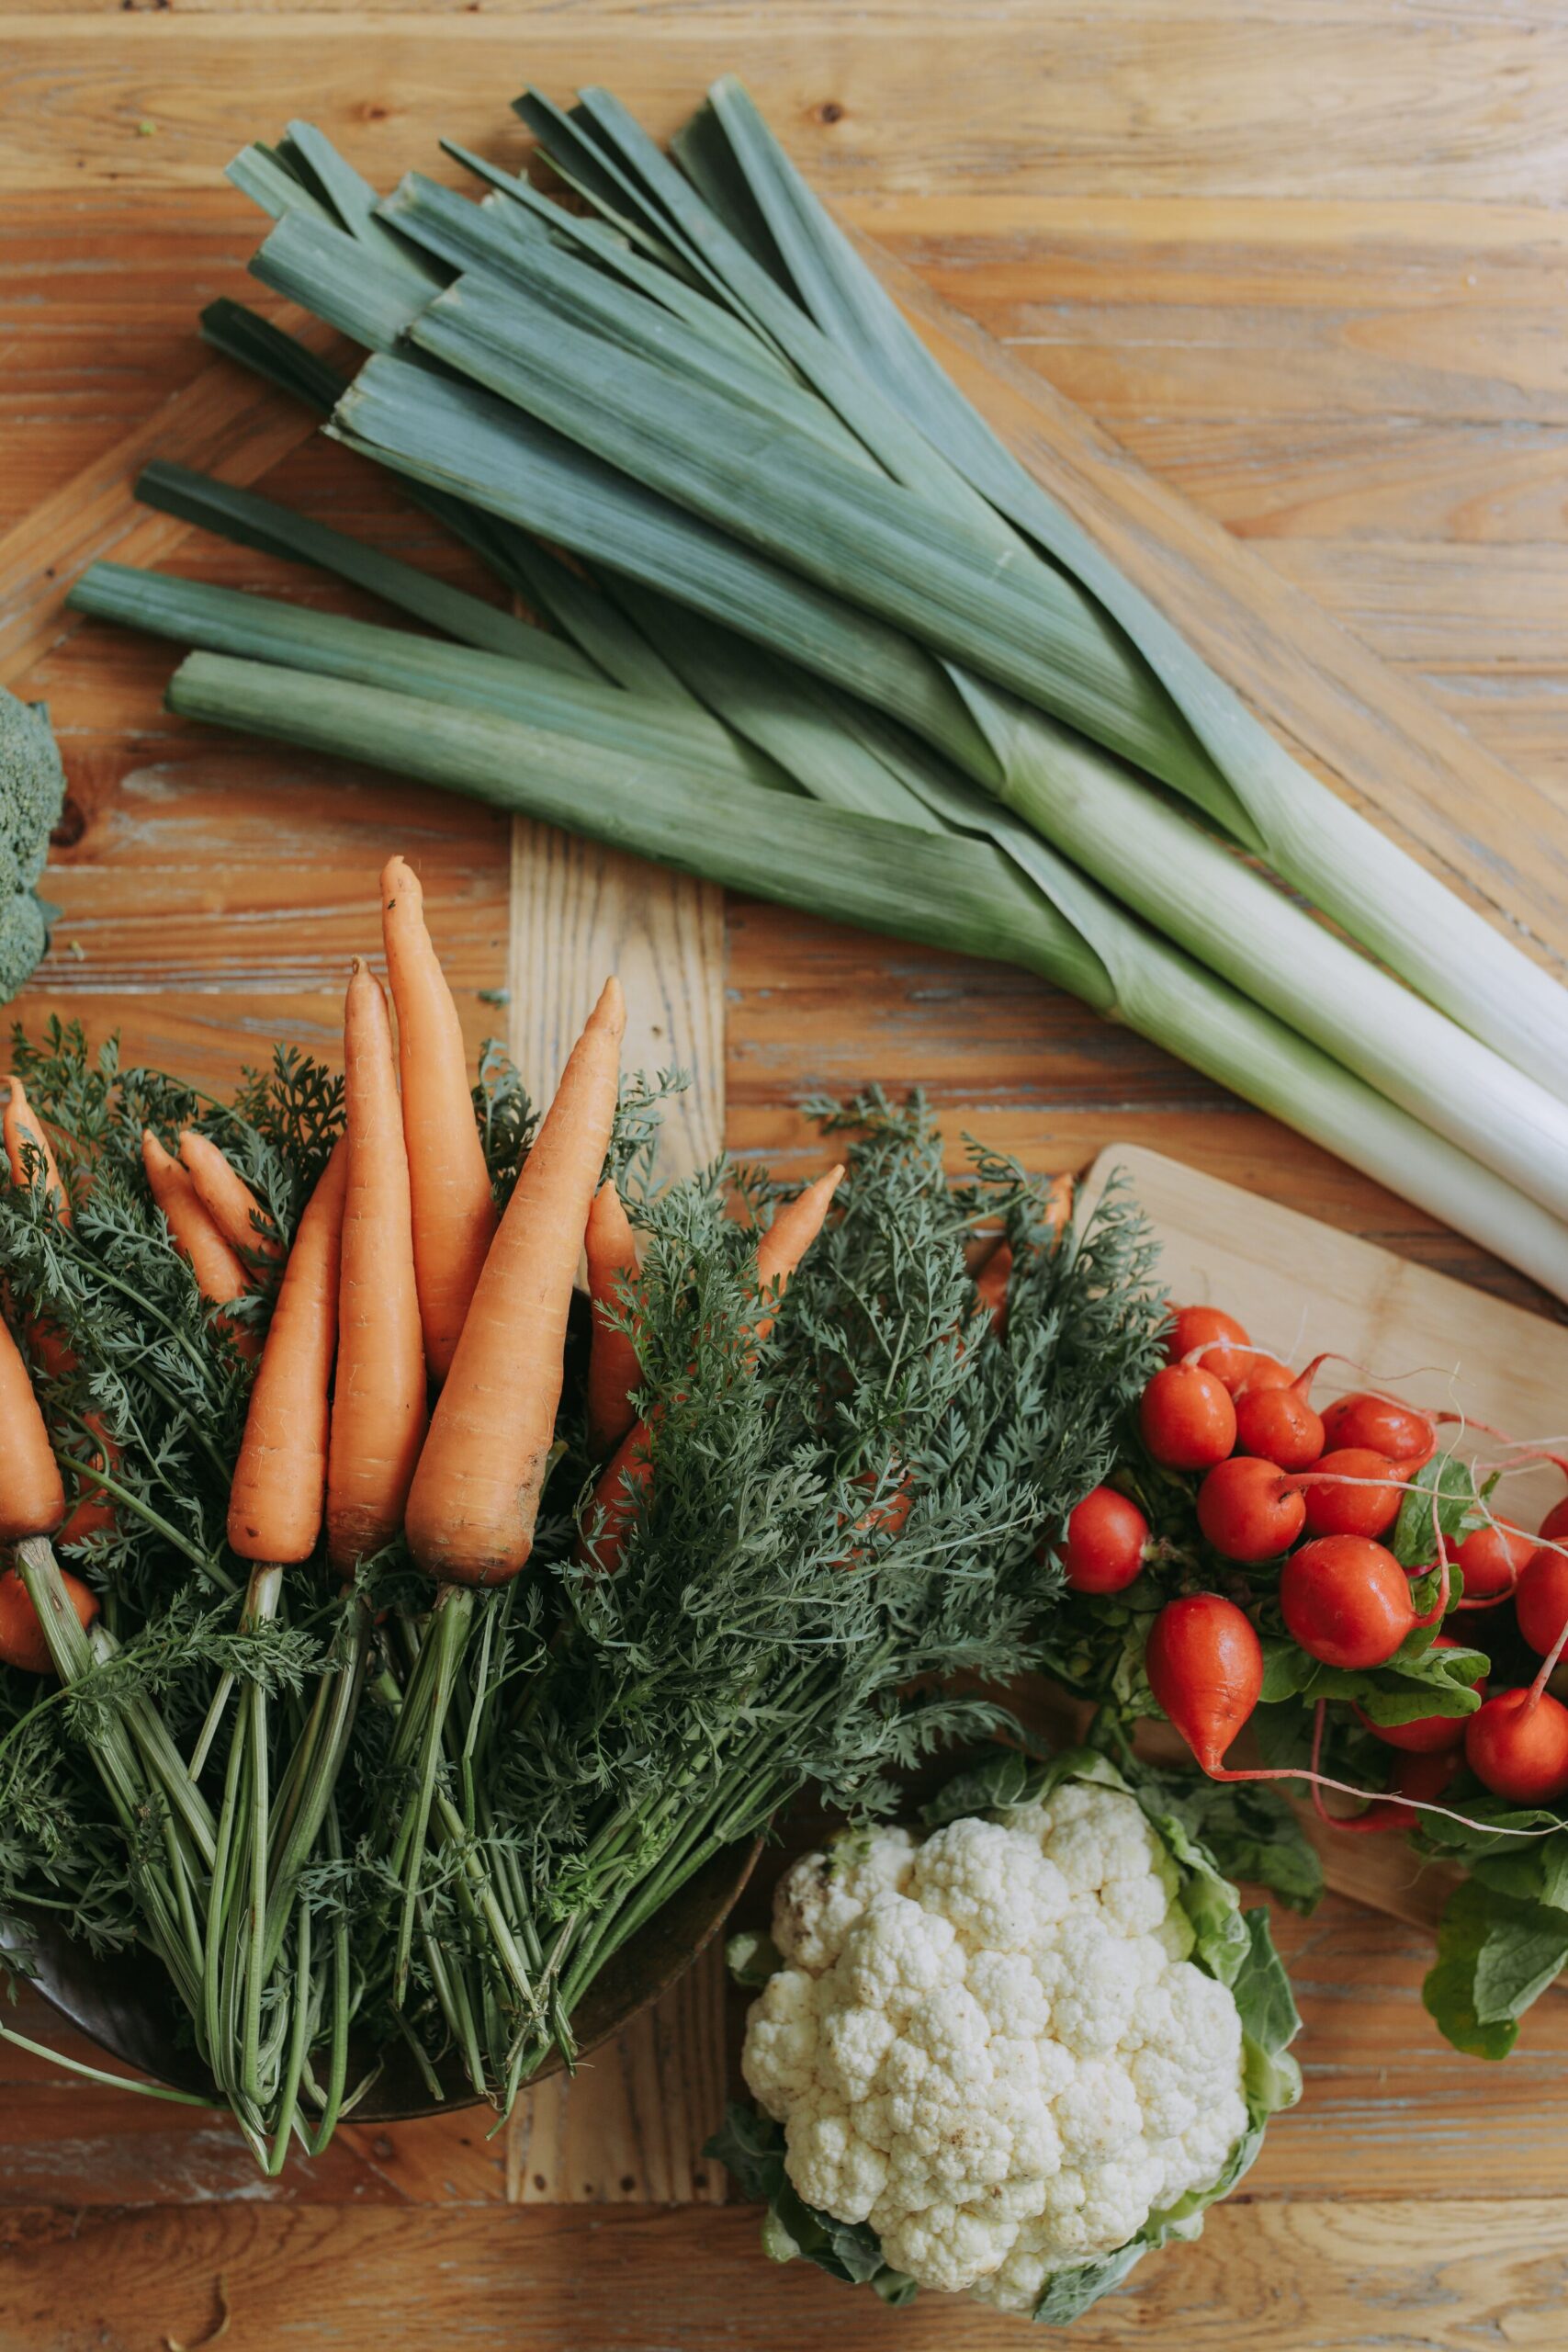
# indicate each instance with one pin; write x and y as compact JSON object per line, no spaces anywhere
{"x":32,"y":793}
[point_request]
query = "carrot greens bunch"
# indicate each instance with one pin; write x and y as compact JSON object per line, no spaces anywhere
{"x":380,"y":1737}
{"x":836,"y":1520}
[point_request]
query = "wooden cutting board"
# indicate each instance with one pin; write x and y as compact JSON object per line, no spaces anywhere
{"x":1300,"y":1287}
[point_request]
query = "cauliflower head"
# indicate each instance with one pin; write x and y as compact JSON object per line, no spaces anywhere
{"x":996,"y":2047}
{"x":32,"y":793}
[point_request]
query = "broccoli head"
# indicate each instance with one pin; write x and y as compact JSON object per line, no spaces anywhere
{"x":32,"y":793}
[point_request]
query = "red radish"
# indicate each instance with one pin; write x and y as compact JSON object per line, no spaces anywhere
{"x":1103,"y":1550}
{"x":1492,"y":1559}
{"x":1380,"y":1425}
{"x":1541,"y":1600}
{"x":1555,"y":1524}
{"x":1421,"y":1779}
{"x":1265,"y":1372}
{"x":1517,"y":1745}
{"x":1347,"y":1601}
{"x":1429,"y":1735}
{"x":1230,"y":1356}
{"x":1187,"y":1417}
{"x":1249,"y":1510}
{"x":1353,"y":1491}
{"x":1424,"y":1778}
{"x":1205,"y":1666}
{"x":1273,"y":1419}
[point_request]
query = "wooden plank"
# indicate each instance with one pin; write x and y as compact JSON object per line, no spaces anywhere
{"x":579,"y":912}
{"x":1199,"y":99}
{"x":1430,"y":2273}
{"x":224,"y":422}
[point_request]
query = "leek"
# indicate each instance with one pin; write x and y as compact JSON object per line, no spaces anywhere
{"x":948,"y":889}
{"x":1312,"y":839}
{"x":692,"y":387}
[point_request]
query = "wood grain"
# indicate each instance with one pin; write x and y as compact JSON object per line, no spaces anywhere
{"x":223,"y":423}
{"x":579,"y":912}
{"x":1144,"y":101}
{"x":1309,"y":2275}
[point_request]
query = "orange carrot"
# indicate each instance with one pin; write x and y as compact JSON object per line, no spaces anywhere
{"x":476,"y":1494}
{"x":32,"y":1500}
{"x":22,"y":1642}
{"x":795,"y":1227}
{"x":614,"y":1372}
{"x":23,"y":1129}
{"x":227,"y":1198}
{"x":279,"y":1489}
{"x":378,"y":1414}
{"x":454,"y":1209}
{"x":220,"y":1276}
{"x":627,"y":1476}
{"x":992,"y":1285}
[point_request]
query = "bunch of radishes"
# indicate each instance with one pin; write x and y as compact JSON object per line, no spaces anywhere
{"x":1295,"y":1502}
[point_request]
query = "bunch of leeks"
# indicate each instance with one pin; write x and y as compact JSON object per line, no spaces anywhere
{"x":824,"y":639}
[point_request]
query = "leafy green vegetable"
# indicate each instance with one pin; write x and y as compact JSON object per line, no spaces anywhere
{"x":1419,"y":1679}
{"x":1442,"y":1495}
{"x":1450,"y":1989}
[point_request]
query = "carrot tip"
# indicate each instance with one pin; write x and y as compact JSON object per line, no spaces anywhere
{"x":611,"y":1010}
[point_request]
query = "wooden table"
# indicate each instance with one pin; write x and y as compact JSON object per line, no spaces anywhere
{"x":1300,"y":257}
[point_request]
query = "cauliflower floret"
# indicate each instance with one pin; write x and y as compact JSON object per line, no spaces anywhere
{"x":854,"y":2044}
{"x":782,"y":2042}
{"x":845,"y":2172}
{"x":818,"y":1900}
{"x":896,"y":1955}
{"x":1093,"y":1979}
{"x":992,"y":2046}
{"x":998,"y":1889}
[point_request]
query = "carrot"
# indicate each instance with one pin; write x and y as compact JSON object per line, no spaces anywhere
{"x":627,"y":1476}
{"x":219,"y":1276}
{"x":795,"y":1227}
{"x":24,"y":1132}
{"x":276,"y":1497}
{"x":992,"y":1285}
{"x":454,"y":1209}
{"x":227,"y":1198}
{"x":378,"y":1416}
{"x":613,"y":1371}
{"x":32,"y":1500}
{"x":22,"y":1642}
{"x":476,"y":1494}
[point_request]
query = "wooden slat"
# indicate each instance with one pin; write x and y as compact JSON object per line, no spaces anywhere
{"x":223,"y":423}
{"x":630,"y":2127}
{"x":1152,"y":99}
{"x":1316,"y":2275}
{"x":579,"y":912}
